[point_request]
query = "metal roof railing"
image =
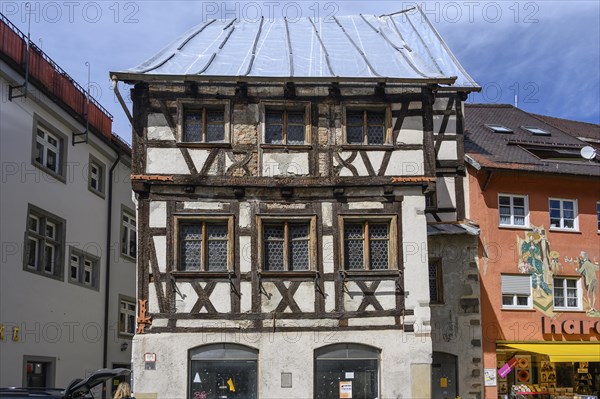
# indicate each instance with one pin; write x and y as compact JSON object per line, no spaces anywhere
{"x":55,"y":81}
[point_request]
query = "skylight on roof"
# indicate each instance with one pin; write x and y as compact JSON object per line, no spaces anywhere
{"x":498,"y":128}
{"x":536,"y":130}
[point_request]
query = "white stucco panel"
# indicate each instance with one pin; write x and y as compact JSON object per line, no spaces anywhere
{"x":158,"y":214}
{"x":269,"y":303}
{"x":213,"y":206}
{"x":329,"y":296}
{"x":246,"y":297}
{"x":166,"y":161}
{"x":372,"y":321}
{"x":152,"y":299}
{"x":386,"y":294}
{"x":450,"y":127}
{"x":448,"y":151}
{"x":376,"y":159}
{"x":188,"y":292}
{"x":411,"y":131}
{"x":160,"y":246}
{"x":221,"y":298}
{"x":365,"y":205}
{"x":406,"y":163}
{"x":353,"y":296}
{"x":446,"y":192}
{"x":305,"y":297}
{"x":198,"y":157}
{"x":245,"y":220}
{"x":245,"y":254}
{"x":327,"y":211}
{"x":158,"y":128}
{"x":285,"y":164}
{"x":328,"y":254}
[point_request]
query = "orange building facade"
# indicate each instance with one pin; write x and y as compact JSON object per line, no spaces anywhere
{"x":536,"y":201}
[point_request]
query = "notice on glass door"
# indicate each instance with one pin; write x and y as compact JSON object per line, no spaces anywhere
{"x":345,"y":389}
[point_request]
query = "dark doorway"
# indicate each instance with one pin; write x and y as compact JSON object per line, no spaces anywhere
{"x":444,"y":380}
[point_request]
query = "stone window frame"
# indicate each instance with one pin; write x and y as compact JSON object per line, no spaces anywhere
{"x":59,"y":242}
{"x":392,"y":220}
{"x":184,"y":105}
{"x":312,"y":249}
{"x":83,"y":256}
{"x":202,"y":218}
{"x":265,"y":105}
{"x":101,"y":176}
{"x":42,"y":124}
{"x":388,"y":134}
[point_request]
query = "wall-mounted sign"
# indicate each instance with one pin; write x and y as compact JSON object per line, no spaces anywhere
{"x":149,"y":361}
{"x":570,"y":326}
{"x":508,"y":366}
{"x":345,"y":389}
{"x":489,"y":377}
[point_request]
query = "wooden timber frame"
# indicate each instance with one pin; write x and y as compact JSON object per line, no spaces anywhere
{"x":236,"y":184}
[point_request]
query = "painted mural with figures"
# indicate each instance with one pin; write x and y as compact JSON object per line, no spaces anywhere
{"x":548,"y":270}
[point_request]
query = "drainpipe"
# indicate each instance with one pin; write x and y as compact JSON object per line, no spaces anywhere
{"x":107,"y":257}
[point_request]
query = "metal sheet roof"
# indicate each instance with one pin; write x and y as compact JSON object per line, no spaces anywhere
{"x":403,"y":46}
{"x":451,"y":229}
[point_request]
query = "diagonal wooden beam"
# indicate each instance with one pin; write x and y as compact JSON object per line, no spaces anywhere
{"x":368,"y":295}
{"x":203,"y":297}
{"x":287,"y":297}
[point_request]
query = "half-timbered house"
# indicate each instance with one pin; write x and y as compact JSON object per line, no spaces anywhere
{"x":284,"y":172}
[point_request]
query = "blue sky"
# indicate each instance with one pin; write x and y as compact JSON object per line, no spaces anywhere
{"x":546,"y":52}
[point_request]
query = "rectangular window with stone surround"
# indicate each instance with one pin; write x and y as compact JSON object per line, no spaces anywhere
{"x":287,"y":245}
{"x":204,"y":244}
{"x":369,"y":244}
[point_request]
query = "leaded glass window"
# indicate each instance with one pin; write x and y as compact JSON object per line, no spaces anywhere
{"x":204,"y":246}
{"x":204,"y":126}
{"x":285,"y":127}
{"x":435,"y":281}
{"x":366,"y":127}
{"x":366,"y":245}
{"x":286,"y":246}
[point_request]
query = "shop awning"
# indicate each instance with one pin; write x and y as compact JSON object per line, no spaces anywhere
{"x":560,"y":351}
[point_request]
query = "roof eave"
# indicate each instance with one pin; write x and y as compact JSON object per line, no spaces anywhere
{"x":132,"y":77}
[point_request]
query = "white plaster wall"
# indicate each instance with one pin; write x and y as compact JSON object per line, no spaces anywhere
{"x":280,"y":352}
{"x":406,"y":163}
{"x":284,"y":164}
{"x":158,"y":128}
{"x":167,"y":161}
{"x":158,"y":214}
{"x":416,"y":274}
{"x":411,"y":131}
{"x":446,"y":192}
{"x":448,"y":151}
{"x":57,"y":319}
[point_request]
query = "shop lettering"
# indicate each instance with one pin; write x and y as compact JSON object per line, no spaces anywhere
{"x":570,"y":326}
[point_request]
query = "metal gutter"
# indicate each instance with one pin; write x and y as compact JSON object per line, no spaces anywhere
{"x":107,"y":257}
{"x":133,"y":77}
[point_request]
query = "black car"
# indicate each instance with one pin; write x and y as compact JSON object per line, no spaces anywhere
{"x":78,"y":388}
